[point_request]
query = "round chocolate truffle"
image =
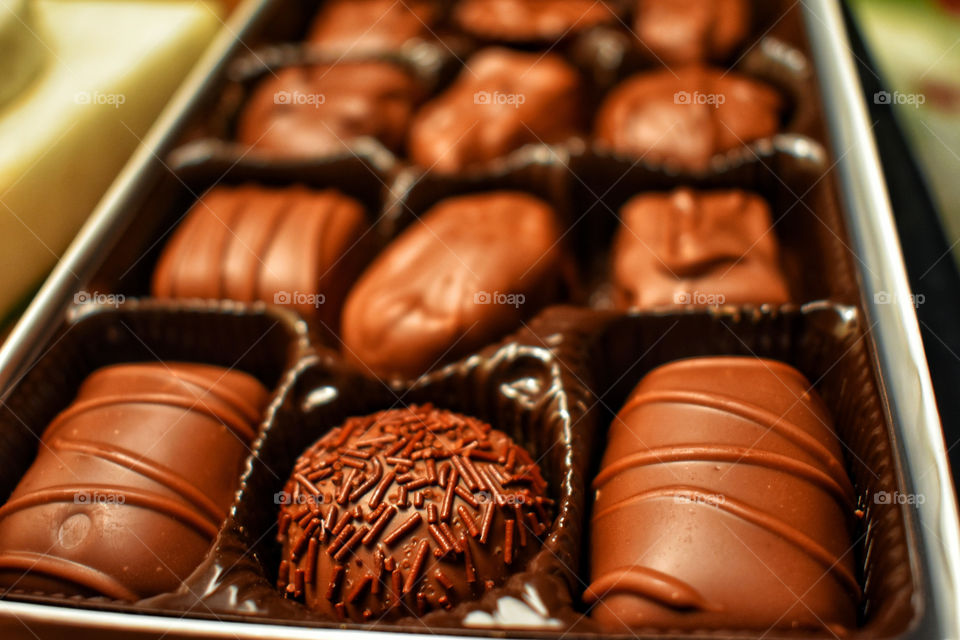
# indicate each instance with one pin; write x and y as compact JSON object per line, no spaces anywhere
{"x":321,"y":110}
{"x":407,"y":511}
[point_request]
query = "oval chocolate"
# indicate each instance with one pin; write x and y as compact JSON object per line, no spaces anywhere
{"x":471,"y":269}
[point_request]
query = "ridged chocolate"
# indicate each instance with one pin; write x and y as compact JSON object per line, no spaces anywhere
{"x":321,"y":110}
{"x":464,"y":274}
{"x":131,"y":482}
{"x":367,"y":27}
{"x":686,"y":31}
{"x":407,"y":511}
{"x":290,"y":246}
{"x":530,"y":20}
{"x":722,"y":503}
{"x":683,"y":117}
{"x":691,"y":248}
{"x":501,"y":101}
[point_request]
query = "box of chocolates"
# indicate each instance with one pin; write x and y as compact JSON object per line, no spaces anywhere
{"x":499,"y":318}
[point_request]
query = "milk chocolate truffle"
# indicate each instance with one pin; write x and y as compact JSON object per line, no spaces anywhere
{"x":289,"y":246}
{"x":131,"y":482}
{"x":408,"y":511}
{"x":501,"y":101}
{"x":530,"y":20}
{"x":696,"y":248}
{"x":321,"y":110}
{"x":722,"y":503}
{"x":683,"y":117}
{"x":470,"y":270}
{"x":687,"y":31}
{"x":368,"y":27}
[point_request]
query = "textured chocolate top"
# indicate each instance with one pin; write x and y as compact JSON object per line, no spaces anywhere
{"x":366,"y":27}
{"x":463,"y":275}
{"x":321,"y":110}
{"x":683,"y":117}
{"x":501,"y":101}
{"x":131,"y":481}
{"x":685,"y":31}
{"x":722,"y":503}
{"x":530,"y":20}
{"x":291,"y":246}
{"x":406,"y":511}
{"x":696,"y":248}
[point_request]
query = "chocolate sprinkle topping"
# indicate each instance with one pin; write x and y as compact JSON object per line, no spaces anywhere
{"x":417,"y":503}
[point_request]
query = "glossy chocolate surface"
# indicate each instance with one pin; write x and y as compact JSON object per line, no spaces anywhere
{"x":466,"y":273}
{"x":321,"y":110}
{"x":696,"y":248}
{"x":686,"y":31}
{"x":501,"y":101}
{"x":364,"y":27}
{"x":722,"y":502}
{"x":291,"y":246}
{"x":408,"y":511}
{"x":131,"y":482}
{"x":683,"y":117}
{"x":530,"y":20}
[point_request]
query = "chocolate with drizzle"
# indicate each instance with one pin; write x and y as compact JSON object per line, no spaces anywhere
{"x":131,"y":482}
{"x":722,"y":502}
{"x":407,"y":511}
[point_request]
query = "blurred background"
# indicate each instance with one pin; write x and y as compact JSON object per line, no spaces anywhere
{"x":81,"y":81}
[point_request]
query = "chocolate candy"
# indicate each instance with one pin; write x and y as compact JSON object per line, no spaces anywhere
{"x":686,"y":31}
{"x":722,"y":503}
{"x":530,"y":20}
{"x":407,"y":511}
{"x":470,"y":270}
{"x":696,"y":248}
{"x":501,"y":101}
{"x":131,"y":481}
{"x":322,"y":110}
{"x":367,"y":27}
{"x":291,"y":246}
{"x":683,"y":117}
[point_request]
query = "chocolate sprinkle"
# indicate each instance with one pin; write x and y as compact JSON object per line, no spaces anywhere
{"x":362,"y":480}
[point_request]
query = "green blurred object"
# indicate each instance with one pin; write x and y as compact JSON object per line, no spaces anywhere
{"x":916,"y":47}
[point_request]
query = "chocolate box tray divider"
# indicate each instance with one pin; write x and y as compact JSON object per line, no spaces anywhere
{"x":893,"y":334}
